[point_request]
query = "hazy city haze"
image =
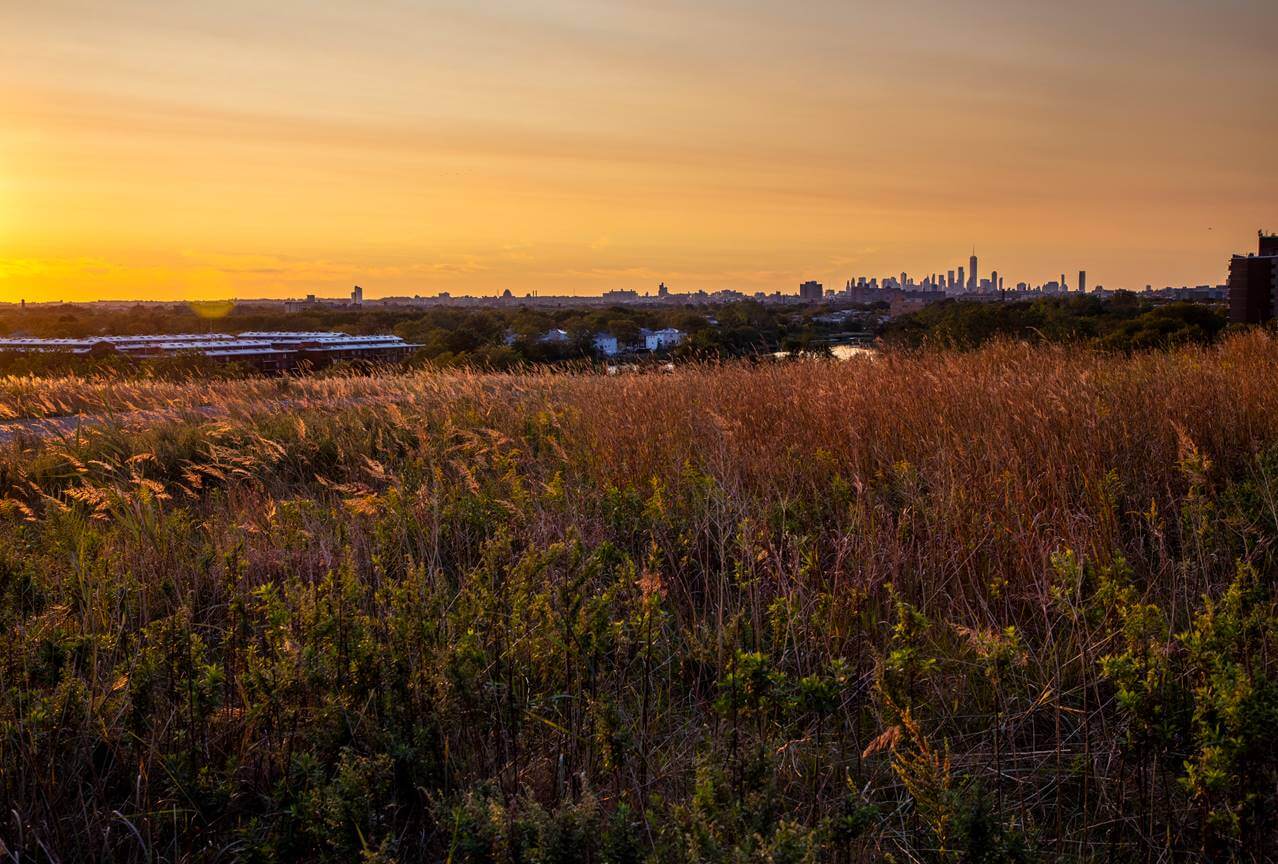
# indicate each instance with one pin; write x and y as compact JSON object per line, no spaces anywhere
{"x":181,"y":149}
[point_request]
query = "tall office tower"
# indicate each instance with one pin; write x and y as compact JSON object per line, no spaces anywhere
{"x":1082,"y":281}
{"x":357,"y":296}
{"x":904,"y":281}
{"x":1064,"y":285}
{"x":971,"y":273}
{"x":961,"y":281}
{"x":811,"y":290}
{"x":1000,"y":283}
{"x":993,"y":280}
{"x":949,"y":280}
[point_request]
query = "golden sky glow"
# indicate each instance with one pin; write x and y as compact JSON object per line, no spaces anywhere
{"x":192,"y":150}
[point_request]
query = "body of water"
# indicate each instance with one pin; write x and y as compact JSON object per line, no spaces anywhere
{"x":840,"y":352}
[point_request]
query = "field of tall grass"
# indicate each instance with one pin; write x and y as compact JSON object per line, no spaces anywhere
{"x":1008,"y":605}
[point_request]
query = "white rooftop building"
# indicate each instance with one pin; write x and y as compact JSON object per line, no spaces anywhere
{"x":661,"y":340}
{"x":606,"y":344}
{"x":269,"y":349}
{"x":555,"y":336}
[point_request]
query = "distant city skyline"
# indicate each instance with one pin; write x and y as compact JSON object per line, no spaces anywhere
{"x":969,"y":280}
{"x":192,"y":151}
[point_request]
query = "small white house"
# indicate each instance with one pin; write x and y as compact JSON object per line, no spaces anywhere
{"x":606,"y":344}
{"x":661,"y":340}
{"x":555,"y":337}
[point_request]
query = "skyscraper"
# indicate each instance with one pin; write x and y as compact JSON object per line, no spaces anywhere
{"x":962,"y":283}
{"x":1082,"y":281}
{"x":971,"y":273}
{"x":357,"y":296}
{"x":811,"y":290}
{"x":993,"y":280}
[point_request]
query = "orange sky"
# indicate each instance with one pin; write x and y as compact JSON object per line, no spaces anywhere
{"x":193,"y":150}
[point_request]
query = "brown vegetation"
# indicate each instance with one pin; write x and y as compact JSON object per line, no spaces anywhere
{"x":942,"y":606}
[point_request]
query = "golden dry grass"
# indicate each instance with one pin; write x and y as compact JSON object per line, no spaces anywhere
{"x":923,"y":571}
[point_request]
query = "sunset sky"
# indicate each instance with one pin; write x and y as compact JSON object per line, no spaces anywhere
{"x":180,"y":149}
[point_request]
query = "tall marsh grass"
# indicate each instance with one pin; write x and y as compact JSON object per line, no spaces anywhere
{"x":993,"y":606}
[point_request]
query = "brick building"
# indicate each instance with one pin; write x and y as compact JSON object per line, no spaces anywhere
{"x":1253,"y":283}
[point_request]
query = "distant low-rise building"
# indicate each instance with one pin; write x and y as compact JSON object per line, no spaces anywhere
{"x":902,"y":305}
{"x":661,"y":340}
{"x":306,"y":304}
{"x":606,"y":345}
{"x":555,"y":336}
{"x":833,"y":318}
{"x":269,"y":351}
